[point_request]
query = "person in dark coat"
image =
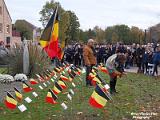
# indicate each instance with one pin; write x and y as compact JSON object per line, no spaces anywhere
{"x":139,"y":55}
{"x":97,"y":53}
{"x":77,"y":55}
{"x":156,"y":61}
{"x":102,"y":53}
{"x":145,"y":58}
{"x":69,"y":53}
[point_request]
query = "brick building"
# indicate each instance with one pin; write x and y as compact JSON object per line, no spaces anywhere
{"x":7,"y":32}
{"x":5,"y":24}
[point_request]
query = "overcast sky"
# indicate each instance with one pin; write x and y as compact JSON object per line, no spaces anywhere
{"x":140,"y":13}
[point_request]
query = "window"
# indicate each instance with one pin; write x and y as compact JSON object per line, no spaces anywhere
{"x":0,"y":10}
{"x":8,"y":40}
{"x":8,"y":28}
{"x":1,"y":27}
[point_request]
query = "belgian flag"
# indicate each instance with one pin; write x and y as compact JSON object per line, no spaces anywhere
{"x":57,"y":69}
{"x":33,"y":81}
{"x":98,"y":98}
{"x":62,"y":84}
{"x":70,"y":78}
{"x":95,"y":81}
{"x":61,"y":68}
{"x":104,"y":69}
{"x":79,"y":71}
{"x":41,"y":77}
{"x":26,"y":87}
{"x":53,"y":73}
{"x":66,"y":64}
{"x":94,"y":72}
{"x":49,"y":37}
{"x":62,"y":77}
{"x":75,"y":70}
{"x":10,"y":102}
{"x":95,"y":69}
{"x":71,"y":73}
{"x":48,"y":71}
{"x":47,"y":76}
{"x":57,"y":88}
{"x":91,"y":76}
{"x":18,"y":94}
{"x":51,"y":97}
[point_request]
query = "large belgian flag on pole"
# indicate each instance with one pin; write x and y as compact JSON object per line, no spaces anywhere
{"x":49,"y":37}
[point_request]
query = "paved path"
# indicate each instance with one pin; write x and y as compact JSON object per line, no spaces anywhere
{"x":135,"y":69}
{"x":132,"y":70}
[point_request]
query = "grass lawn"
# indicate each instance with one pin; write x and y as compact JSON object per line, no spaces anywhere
{"x":3,"y":70}
{"x":137,"y":93}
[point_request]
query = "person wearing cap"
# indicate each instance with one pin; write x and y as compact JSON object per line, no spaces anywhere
{"x":89,"y":56}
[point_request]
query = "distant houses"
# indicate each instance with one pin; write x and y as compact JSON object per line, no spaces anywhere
{"x":28,"y":30}
{"x":154,"y":32}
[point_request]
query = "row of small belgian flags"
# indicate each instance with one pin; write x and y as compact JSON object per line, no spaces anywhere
{"x":48,"y":76}
{"x":98,"y":99}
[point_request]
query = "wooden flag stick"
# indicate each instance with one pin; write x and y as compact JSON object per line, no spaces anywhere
{"x":105,"y":113}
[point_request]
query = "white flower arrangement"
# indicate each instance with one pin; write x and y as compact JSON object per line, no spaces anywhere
{"x":20,"y":77}
{"x":5,"y":78}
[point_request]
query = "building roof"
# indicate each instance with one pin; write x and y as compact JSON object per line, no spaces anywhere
{"x":7,"y":9}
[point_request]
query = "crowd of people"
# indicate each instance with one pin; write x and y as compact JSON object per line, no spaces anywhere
{"x":141,"y":56}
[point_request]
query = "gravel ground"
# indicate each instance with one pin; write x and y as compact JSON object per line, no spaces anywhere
{"x":10,"y":88}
